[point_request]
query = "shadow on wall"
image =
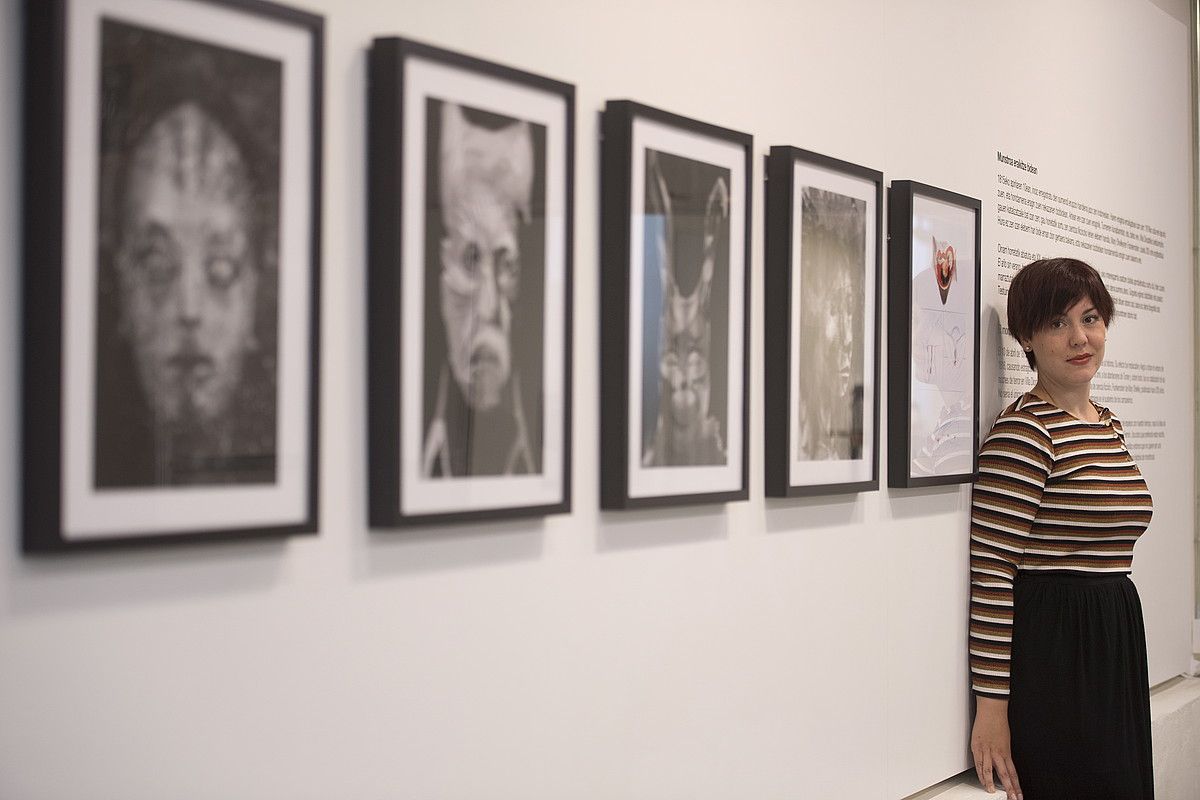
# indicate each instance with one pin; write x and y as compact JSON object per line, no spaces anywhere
{"x":991,"y":366}
{"x":661,"y":527}
{"x":64,"y":582}
{"x":445,"y":548}
{"x":788,"y":515}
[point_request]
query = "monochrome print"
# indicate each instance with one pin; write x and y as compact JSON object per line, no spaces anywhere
{"x":485,"y":225}
{"x":187,"y":289}
{"x":832,"y":326}
{"x":685,"y":359}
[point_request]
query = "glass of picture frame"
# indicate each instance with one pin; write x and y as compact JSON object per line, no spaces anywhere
{"x":675,"y":279}
{"x":172,"y":247}
{"x":933,"y":332}
{"x":821,"y":324}
{"x":469,"y":310}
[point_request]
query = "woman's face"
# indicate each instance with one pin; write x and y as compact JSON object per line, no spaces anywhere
{"x":1070,"y":349}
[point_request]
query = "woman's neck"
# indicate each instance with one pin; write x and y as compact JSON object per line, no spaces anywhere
{"x":1075,"y":400}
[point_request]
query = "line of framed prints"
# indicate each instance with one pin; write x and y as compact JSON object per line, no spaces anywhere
{"x":172,"y":291}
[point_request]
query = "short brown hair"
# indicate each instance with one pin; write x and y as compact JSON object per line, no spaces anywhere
{"x":1048,"y":287}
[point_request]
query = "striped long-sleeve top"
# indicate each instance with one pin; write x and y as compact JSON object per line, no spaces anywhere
{"x":1054,"y":493}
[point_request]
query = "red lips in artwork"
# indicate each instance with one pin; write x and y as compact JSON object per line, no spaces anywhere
{"x":945,"y":267}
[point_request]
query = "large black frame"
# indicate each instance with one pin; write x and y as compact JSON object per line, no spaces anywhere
{"x":617,"y":160}
{"x":48,"y":64}
{"x":901,"y":198}
{"x":388,"y":352}
{"x":781,"y":274}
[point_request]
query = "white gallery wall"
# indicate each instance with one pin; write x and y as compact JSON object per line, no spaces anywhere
{"x":781,"y":649}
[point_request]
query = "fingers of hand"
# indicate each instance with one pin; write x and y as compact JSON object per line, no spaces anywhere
{"x":1008,"y":777}
{"x":986,"y":776}
{"x":992,"y":763}
{"x":977,"y":755}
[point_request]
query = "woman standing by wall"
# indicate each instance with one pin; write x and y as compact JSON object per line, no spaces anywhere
{"x":1058,"y":648}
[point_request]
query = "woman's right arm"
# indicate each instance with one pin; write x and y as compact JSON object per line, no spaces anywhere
{"x":1014,"y":464}
{"x":991,"y":746}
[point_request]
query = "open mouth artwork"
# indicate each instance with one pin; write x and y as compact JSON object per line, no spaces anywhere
{"x":945,"y":267}
{"x":489,"y":374}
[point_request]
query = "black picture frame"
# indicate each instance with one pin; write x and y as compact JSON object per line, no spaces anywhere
{"x":931,"y":370}
{"x":451,"y":442}
{"x":147,"y":418}
{"x":824,"y":245}
{"x":648,"y":154}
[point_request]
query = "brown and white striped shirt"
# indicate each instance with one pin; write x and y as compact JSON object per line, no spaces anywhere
{"x":1054,"y":493}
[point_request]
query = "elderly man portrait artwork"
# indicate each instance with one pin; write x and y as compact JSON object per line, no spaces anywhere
{"x":188,"y":284}
{"x":484,"y":276}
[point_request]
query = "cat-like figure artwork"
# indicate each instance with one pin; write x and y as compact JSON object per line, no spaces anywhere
{"x":686,"y":433}
{"x":478,"y":426}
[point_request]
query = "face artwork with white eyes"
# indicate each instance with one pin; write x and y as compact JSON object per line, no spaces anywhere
{"x":186,"y":266}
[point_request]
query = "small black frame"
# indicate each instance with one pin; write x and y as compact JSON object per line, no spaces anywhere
{"x":86,"y":485}
{"x":928,"y":369}
{"x":417,"y":475}
{"x":634,"y":474}
{"x":853,"y":196}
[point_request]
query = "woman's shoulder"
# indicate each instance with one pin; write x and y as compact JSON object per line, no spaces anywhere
{"x":1025,"y":416}
{"x":1027,"y":406}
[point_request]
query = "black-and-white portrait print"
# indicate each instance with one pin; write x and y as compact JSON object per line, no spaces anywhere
{"x":685,"y":359}
{"x":187,"y":289}
{"x":832,"y":318}
{"x":485,"y":200}
{"x":821,"y":346}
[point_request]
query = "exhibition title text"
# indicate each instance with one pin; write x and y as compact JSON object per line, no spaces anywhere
{"x":1016,"y":162}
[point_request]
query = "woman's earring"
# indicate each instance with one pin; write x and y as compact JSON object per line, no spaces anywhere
{"x":1028,"y":349}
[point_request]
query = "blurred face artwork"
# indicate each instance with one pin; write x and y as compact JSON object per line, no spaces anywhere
{"x":486,"y":180}
{"x":839,"y":331}
{"x":826,"y":401}
{"x":186,"y":266}
{"x":830,"y":338}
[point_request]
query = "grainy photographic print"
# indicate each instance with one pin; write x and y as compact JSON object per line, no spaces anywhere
{"x":832,"y":332}
{"x":470,"y":187}
{"x":484,"y":293}
{"x":820,"y":318}
{"x":942,"y":414}
{"x":173,"y":174}
{"x":188,"y":272}
{"x":685,"y":359}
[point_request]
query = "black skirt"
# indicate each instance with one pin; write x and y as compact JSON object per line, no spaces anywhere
{"x":1079,"y":709}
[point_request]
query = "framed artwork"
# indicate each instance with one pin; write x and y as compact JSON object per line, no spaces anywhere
{"x":824,"y":240}
{"x":172,"y":190}
{"x":675,"y":255}
{"x":470,"y":195}
{"x":933,"y":330}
